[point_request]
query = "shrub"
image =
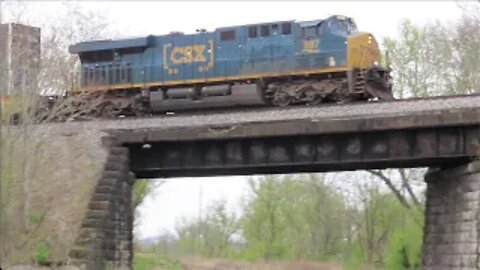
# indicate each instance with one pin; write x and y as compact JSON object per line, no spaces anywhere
{"x":41,"y":254}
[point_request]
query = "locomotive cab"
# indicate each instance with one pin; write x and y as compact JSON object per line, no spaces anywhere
{"x":341,"y":25}
{"x":364,"y":58}
{"x":337,"y":37}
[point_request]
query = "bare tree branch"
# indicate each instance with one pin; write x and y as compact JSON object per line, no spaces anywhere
{"x":407,"y":186}
{"x":391,"y":186}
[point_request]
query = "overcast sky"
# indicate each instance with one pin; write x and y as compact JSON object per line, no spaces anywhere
{"x":378,"y":17}
{"x":180,"y":197}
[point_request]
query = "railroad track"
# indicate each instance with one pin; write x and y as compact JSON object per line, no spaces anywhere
{"x":227,"y":117}
{"x":261,"y":109}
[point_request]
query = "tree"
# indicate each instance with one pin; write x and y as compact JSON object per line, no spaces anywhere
{"x":465,"y":51}
{"x":436,"y":58}
{"x":402,"y":183}
{"x":381,"y":221}
{"x":322,"y":210}
{"x":264,"y":224}
{"x":293,"y":217}
{"x":418,"y":60}
{"x":20,"y":217}
{"x":141,"y":189}
{"x":211,"y":237}
{"x":404,"y":247}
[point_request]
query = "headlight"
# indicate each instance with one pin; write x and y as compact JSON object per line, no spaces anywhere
{"x":375,"y":63}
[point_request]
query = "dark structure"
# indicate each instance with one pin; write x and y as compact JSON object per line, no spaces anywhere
{"x":302,"y":146}
{"x":19,"y":57}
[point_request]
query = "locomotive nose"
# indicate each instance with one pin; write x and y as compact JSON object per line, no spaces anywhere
{"x":362,"y":51}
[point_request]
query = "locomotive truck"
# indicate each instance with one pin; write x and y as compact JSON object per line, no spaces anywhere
{"x":277,"y":63}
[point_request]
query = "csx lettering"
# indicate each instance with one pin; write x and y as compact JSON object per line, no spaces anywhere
{"x":188,"y":54}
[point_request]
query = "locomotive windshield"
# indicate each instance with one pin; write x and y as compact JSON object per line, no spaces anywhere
{"x":342,"y":25}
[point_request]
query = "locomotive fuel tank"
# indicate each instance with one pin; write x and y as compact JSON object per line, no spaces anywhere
{"x":216,"y":90}
{"x":180,"y":93}
{"x":211,"y":96}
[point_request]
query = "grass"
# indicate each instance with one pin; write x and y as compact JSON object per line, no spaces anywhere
{"x":151,"y":261}
{"x":147,"y":261}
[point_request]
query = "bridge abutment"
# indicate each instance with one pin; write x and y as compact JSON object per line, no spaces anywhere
{"x":106,"y":237}
{"x":452,"y":218}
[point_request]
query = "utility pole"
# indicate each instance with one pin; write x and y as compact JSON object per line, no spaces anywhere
{"x":199,"y":223}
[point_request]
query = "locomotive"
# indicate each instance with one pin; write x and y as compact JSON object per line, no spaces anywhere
{"x":277,"y":63}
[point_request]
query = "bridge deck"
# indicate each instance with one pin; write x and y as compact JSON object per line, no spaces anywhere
{"x":404,"y":133}
{"x":467,"y":106}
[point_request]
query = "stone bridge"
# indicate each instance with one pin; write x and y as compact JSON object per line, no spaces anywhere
{"x":441,"y":133}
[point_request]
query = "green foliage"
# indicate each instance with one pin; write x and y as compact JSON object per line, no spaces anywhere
{"x":210,"y":236}
{"x":404,"y":247}
{"x":293,"y":218}
{"x":355,"y":258}
{"x":34,"y":218}
{"x":143,"y":261}
{"x":141,"y":188}
{"x":380,"y":214}
{"x":423,"y":58}
{"x":302,"y":217}
{"x":42,"y":253}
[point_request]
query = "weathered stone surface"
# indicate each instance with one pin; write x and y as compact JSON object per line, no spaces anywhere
{"x":58,"y":172}
{"x":109,"y":216}
{"x":451,"y":233}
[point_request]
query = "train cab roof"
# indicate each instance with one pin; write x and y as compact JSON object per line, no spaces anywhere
{"x":143,"y":42}
{"x":310,"y":23}
{"x":109,"y":44}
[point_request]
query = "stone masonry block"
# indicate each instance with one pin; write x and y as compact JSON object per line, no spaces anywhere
{"x":451,"y":231}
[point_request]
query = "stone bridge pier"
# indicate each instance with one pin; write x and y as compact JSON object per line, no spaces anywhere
{"x":452,"y":218}
{"x":105,"y":240}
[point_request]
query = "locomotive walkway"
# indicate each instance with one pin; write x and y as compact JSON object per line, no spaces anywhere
{"x":441,"y":133}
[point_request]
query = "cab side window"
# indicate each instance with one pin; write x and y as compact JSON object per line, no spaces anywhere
{"x":286,"y":28}
{"x":227,"y":35}
{"x":310,"y":31}
{"x":275,"y":29}
{"x":252,"y":31}
{"x":265,"y":30}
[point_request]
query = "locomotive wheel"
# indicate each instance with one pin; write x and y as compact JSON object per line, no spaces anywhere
{"x":311,"y":97}
{"x":139,"y":110}
{"x":108,"y":110}
{"x":282,"y":98}
{"x":315,"y":101}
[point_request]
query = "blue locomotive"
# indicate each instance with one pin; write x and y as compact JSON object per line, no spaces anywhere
{"x":276,"y":63}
